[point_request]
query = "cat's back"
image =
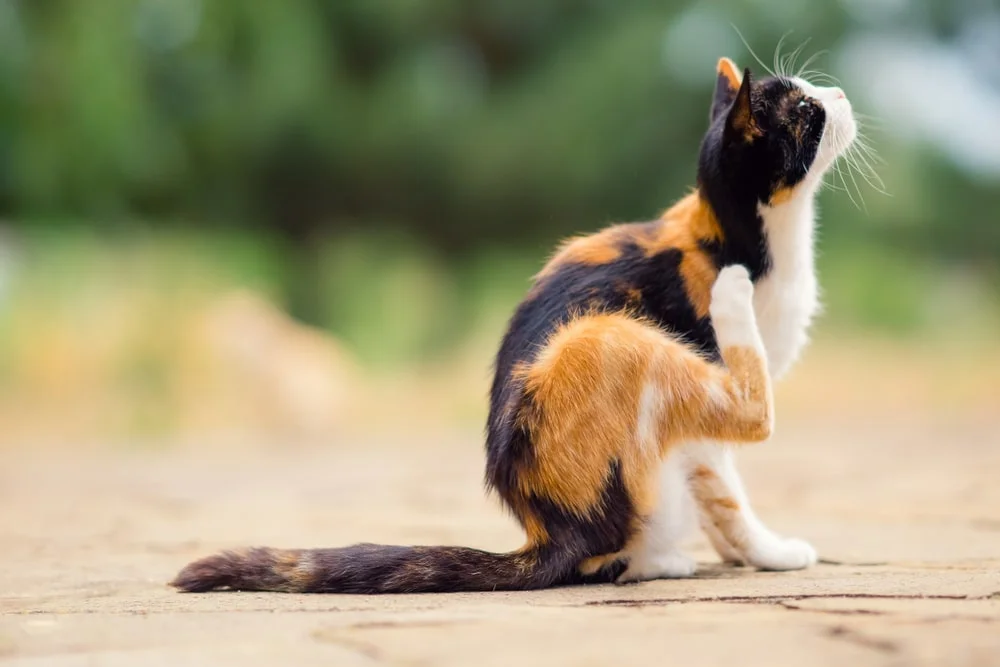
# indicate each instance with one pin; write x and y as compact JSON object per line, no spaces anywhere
{"x":661,"y":271}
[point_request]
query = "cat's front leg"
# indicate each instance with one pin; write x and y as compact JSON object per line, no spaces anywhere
{"x":729,"y":520}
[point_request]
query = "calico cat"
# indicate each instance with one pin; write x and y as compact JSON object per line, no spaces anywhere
{"x":638,"y":354}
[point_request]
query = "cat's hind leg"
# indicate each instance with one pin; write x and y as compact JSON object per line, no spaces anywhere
{"x":734,"y":401}
{"x":656,"y":552}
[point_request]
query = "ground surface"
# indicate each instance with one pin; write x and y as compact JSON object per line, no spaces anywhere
{"x":910,"y":509}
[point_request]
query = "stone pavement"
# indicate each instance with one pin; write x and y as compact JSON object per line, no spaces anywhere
{"x":905,"y":512}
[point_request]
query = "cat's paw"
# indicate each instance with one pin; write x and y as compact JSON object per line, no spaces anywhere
{"x":670,"y":565}
{"x":780,"y":554}
{"x":731,"y":308}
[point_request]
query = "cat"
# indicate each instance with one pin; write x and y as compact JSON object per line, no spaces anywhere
{"x":638,"y":355}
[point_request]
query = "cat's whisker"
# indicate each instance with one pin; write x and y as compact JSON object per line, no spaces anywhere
{"x":839,"y":172}
{"x":777,"y":68}
{"x":851,"y":168}
{"x":869,"y":120}
{"x":794,"y":57}
{"x":815,"y":76}
{"x":751,"y":51}
{"x":819,"y":80}
{"x":867,"y":158}
{"x":839,"y":168}
{"x":868,"y":173}
{"x":786,"y":61}
{"x":865,"y":154}
{"x":832,"y":185}
{"x":870,"y":152}
{"x":809,"y":61}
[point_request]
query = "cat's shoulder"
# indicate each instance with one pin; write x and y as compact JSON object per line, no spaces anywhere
{"x":602,"y":247}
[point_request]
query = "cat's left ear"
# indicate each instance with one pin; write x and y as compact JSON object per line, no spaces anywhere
{"x":727,"y":84}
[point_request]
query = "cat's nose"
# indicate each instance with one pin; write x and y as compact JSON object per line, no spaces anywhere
{"x":838,"y":94}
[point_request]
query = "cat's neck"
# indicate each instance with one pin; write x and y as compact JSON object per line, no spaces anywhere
{"x":767,"y":238}
{"x":789,"y":231}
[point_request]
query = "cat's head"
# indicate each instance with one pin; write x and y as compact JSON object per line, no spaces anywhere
{"x":770,"y":136}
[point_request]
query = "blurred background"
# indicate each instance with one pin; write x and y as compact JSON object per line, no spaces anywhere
{"x":232,"y":221}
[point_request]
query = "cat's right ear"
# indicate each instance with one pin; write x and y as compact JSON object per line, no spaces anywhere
{"x":727,"y":84}
{"x":740,"y":124}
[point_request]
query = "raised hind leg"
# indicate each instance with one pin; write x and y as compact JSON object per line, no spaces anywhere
{"x":733,"y":402}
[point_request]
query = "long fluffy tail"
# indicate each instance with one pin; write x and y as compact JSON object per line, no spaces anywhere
{"x":375,"y":568}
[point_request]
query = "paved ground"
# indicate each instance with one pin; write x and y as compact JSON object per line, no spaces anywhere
{"x":909,"y":510}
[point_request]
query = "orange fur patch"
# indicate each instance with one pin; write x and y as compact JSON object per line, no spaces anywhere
{"x":728,"y":69}
{"x":725,"y":503}
{"x":683,"y":227}
{"x":782,"y":196}
{"x":702,"y":472}
{"x":751,"y":421}
{"x":720,"y":509}
{"x":588,"y":380}
{"x":592,"y":565}
{"x":292,"y":566}
{"x":599,"y":248}
{"x":533,"y":526}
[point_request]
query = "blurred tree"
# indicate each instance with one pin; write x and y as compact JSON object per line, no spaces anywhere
{"x":465,"y":121}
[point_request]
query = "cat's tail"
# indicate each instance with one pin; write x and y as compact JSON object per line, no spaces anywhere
{"x":375,"y":568}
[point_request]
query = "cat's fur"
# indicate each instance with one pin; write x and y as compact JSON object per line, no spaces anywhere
{"x":638,"y":353}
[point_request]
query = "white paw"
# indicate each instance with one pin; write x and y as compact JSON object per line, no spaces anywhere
{"x":731,"y":308}
{"x":671,"y":565}
{"x":783,"y":554}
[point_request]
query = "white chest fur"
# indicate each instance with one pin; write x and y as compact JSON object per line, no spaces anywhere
{"x":787,"y":298}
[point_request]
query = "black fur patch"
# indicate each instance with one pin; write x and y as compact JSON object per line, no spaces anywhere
{"x":606,"y":531}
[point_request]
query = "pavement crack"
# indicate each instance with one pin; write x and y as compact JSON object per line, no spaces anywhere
{"x":767,"y":599}
{"x":846,"y":563}
{"x":844,"y":633}
{"x":785,"y":604}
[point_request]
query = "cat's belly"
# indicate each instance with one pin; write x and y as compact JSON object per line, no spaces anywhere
{"x":785,"y":306}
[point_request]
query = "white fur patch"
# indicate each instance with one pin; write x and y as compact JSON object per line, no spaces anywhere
{"x":717,"y":394}
{"x":651,"y":403}
{"x":732,"y":310}
{"x":656,"y":553}
{"x":787,"y":298}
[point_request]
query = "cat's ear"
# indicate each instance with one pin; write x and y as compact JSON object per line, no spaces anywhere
{"x":740,"y":125}
{"x":727,"y":83}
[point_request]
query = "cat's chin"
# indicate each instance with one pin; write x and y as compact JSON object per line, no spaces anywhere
{"x":837,"y":140}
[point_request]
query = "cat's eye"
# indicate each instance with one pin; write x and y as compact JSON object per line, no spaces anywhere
{"x":803,"y":103}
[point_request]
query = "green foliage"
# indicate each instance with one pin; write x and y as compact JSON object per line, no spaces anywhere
{"x":463,"y":126}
